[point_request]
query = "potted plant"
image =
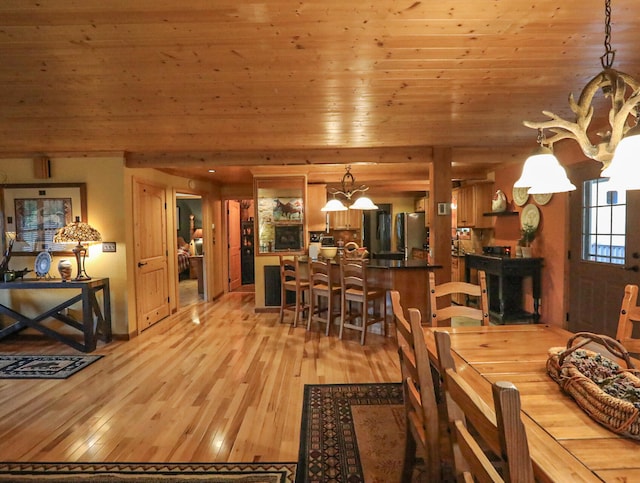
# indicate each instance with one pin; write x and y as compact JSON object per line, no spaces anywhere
{"x":528,"y":234}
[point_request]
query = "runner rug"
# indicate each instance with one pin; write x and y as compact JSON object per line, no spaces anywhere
{"x":352,"y":433}
{"x":149,"y":472}
{"x":43,"y":367}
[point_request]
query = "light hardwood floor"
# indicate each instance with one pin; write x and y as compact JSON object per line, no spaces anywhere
{"x":216,"y":382}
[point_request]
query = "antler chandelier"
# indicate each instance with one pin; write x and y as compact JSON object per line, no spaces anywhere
{"x":612,"y":149}
{"x":348,"y":191}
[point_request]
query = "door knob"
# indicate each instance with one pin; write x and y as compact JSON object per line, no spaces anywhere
{"x":141,"y":264}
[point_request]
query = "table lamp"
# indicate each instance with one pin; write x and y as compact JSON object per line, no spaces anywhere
{"x":78,"y":232}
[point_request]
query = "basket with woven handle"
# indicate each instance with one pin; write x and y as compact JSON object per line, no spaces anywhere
{"x":619,"y":414}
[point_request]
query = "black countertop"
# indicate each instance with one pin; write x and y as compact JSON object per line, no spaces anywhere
{"x":401,"y":264}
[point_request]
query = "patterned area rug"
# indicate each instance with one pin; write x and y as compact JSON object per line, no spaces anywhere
{"x":42,"y":367}
{"x":149,"y":472}
{"x":351,"y":433}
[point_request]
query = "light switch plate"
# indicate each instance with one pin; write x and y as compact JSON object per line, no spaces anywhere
{"x":108,"y":247}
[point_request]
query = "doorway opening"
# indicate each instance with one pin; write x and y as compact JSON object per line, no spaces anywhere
{"x":189,"y":246}
{"x":240,"y":233}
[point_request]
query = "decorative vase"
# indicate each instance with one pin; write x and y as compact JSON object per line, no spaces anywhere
{"x":526,"y":252}
{"x":65,"y":267}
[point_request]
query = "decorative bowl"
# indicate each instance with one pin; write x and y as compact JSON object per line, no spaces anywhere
{"x":328,"y":252}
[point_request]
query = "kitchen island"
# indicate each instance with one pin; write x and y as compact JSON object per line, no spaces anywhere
{"x":409,"y":277}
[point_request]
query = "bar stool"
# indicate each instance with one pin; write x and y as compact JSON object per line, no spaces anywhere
{"x":291,"y":280}
{"x":322,"y":284}
{"x":356,"y":290}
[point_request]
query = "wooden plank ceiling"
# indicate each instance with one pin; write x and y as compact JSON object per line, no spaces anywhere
{"x":218,"y":84}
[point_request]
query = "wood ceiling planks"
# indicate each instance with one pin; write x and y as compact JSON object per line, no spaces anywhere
{"x":229,"y":77}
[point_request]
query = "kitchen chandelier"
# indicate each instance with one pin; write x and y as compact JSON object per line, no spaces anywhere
{"x":618,"y":148}
{"x":347,"y":191}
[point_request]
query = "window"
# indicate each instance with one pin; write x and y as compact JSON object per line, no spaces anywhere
{"x":604,"y":211}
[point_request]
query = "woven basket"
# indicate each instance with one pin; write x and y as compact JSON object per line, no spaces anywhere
{"x":619,"y":415}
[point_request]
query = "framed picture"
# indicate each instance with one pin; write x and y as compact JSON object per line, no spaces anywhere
{"x":33,"y":213}
{"x":287,"y":209}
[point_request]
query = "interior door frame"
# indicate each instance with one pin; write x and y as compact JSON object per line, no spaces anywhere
{"x":205,"y":246}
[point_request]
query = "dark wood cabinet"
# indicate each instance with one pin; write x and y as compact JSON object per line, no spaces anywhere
{"x":504,"y":285}
{"x":247,"y":252}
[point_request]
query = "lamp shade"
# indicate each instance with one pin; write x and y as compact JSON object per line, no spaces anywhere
{"x":363,"y":203}
{"x":197,"y":233}
{"x":624,"y":169}
{"x":77,"y":232}
{"x":333,"y":205}
{"x":542,"y":174}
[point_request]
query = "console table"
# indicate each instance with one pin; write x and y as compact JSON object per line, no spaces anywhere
{"x":96,"y":317}
{"x":504,"y":284}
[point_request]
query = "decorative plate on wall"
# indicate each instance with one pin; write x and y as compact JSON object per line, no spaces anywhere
{"x":530,"y":216}
{"x":542,"y":199}
{"x":520,"y":196}
{"x":42,"y":264}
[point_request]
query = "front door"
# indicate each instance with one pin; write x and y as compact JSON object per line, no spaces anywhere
{"x":597,"y":285}
{"x":233,"y":228}
{"x":150,"y":251}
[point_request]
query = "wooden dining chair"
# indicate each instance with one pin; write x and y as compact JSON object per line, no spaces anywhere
{"x":421,"y":410}
{"x":437,"y":293}
{"x":473,"y":424}
{"x":629,"y":315}
{"x":292,"y":280}
{"x":359,"y":299}
{"x":323,"y":285}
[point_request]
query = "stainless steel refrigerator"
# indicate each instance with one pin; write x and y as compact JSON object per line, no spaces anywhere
{"x":410,"y":232}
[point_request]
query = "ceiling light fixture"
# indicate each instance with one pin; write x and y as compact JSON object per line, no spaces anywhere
{"x":612,"y":150}
{"x":348,"y":191}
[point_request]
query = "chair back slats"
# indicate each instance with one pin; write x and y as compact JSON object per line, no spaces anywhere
{"x":420,"y":404}
{"x":292,"y":280}
{"x":359,"y":299}
{"x":629,"y":315}
{"x":513,"y":437}
{"x":457,"y":287}
{"x":403,"y":329}
{"x":437,"y":292}
{"x":479,"y":466}
{"x":500,"y":428}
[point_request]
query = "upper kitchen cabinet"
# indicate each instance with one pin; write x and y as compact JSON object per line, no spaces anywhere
{"x":316,"y":199}
{"x":470,"y":202}
{"x":345,"y":220}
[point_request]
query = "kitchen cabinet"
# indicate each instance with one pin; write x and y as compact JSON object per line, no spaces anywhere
{"x":316,"y":199}
{"x":471,"y":202}
{"x":345,"y":220}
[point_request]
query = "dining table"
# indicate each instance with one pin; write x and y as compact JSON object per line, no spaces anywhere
{"x":565,"y":444}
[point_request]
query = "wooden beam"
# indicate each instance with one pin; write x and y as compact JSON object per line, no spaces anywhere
{"x":289,"y":157}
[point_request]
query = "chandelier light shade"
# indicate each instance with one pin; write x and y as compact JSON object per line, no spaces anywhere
{"x":348,"y":191}
{"x":363,"y":203}
{"x":623,"y":91}
{"x":624,"y":170}
{"x":80,"y":233}
{"x":334,"y":205}
{"x":542,"y":172}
